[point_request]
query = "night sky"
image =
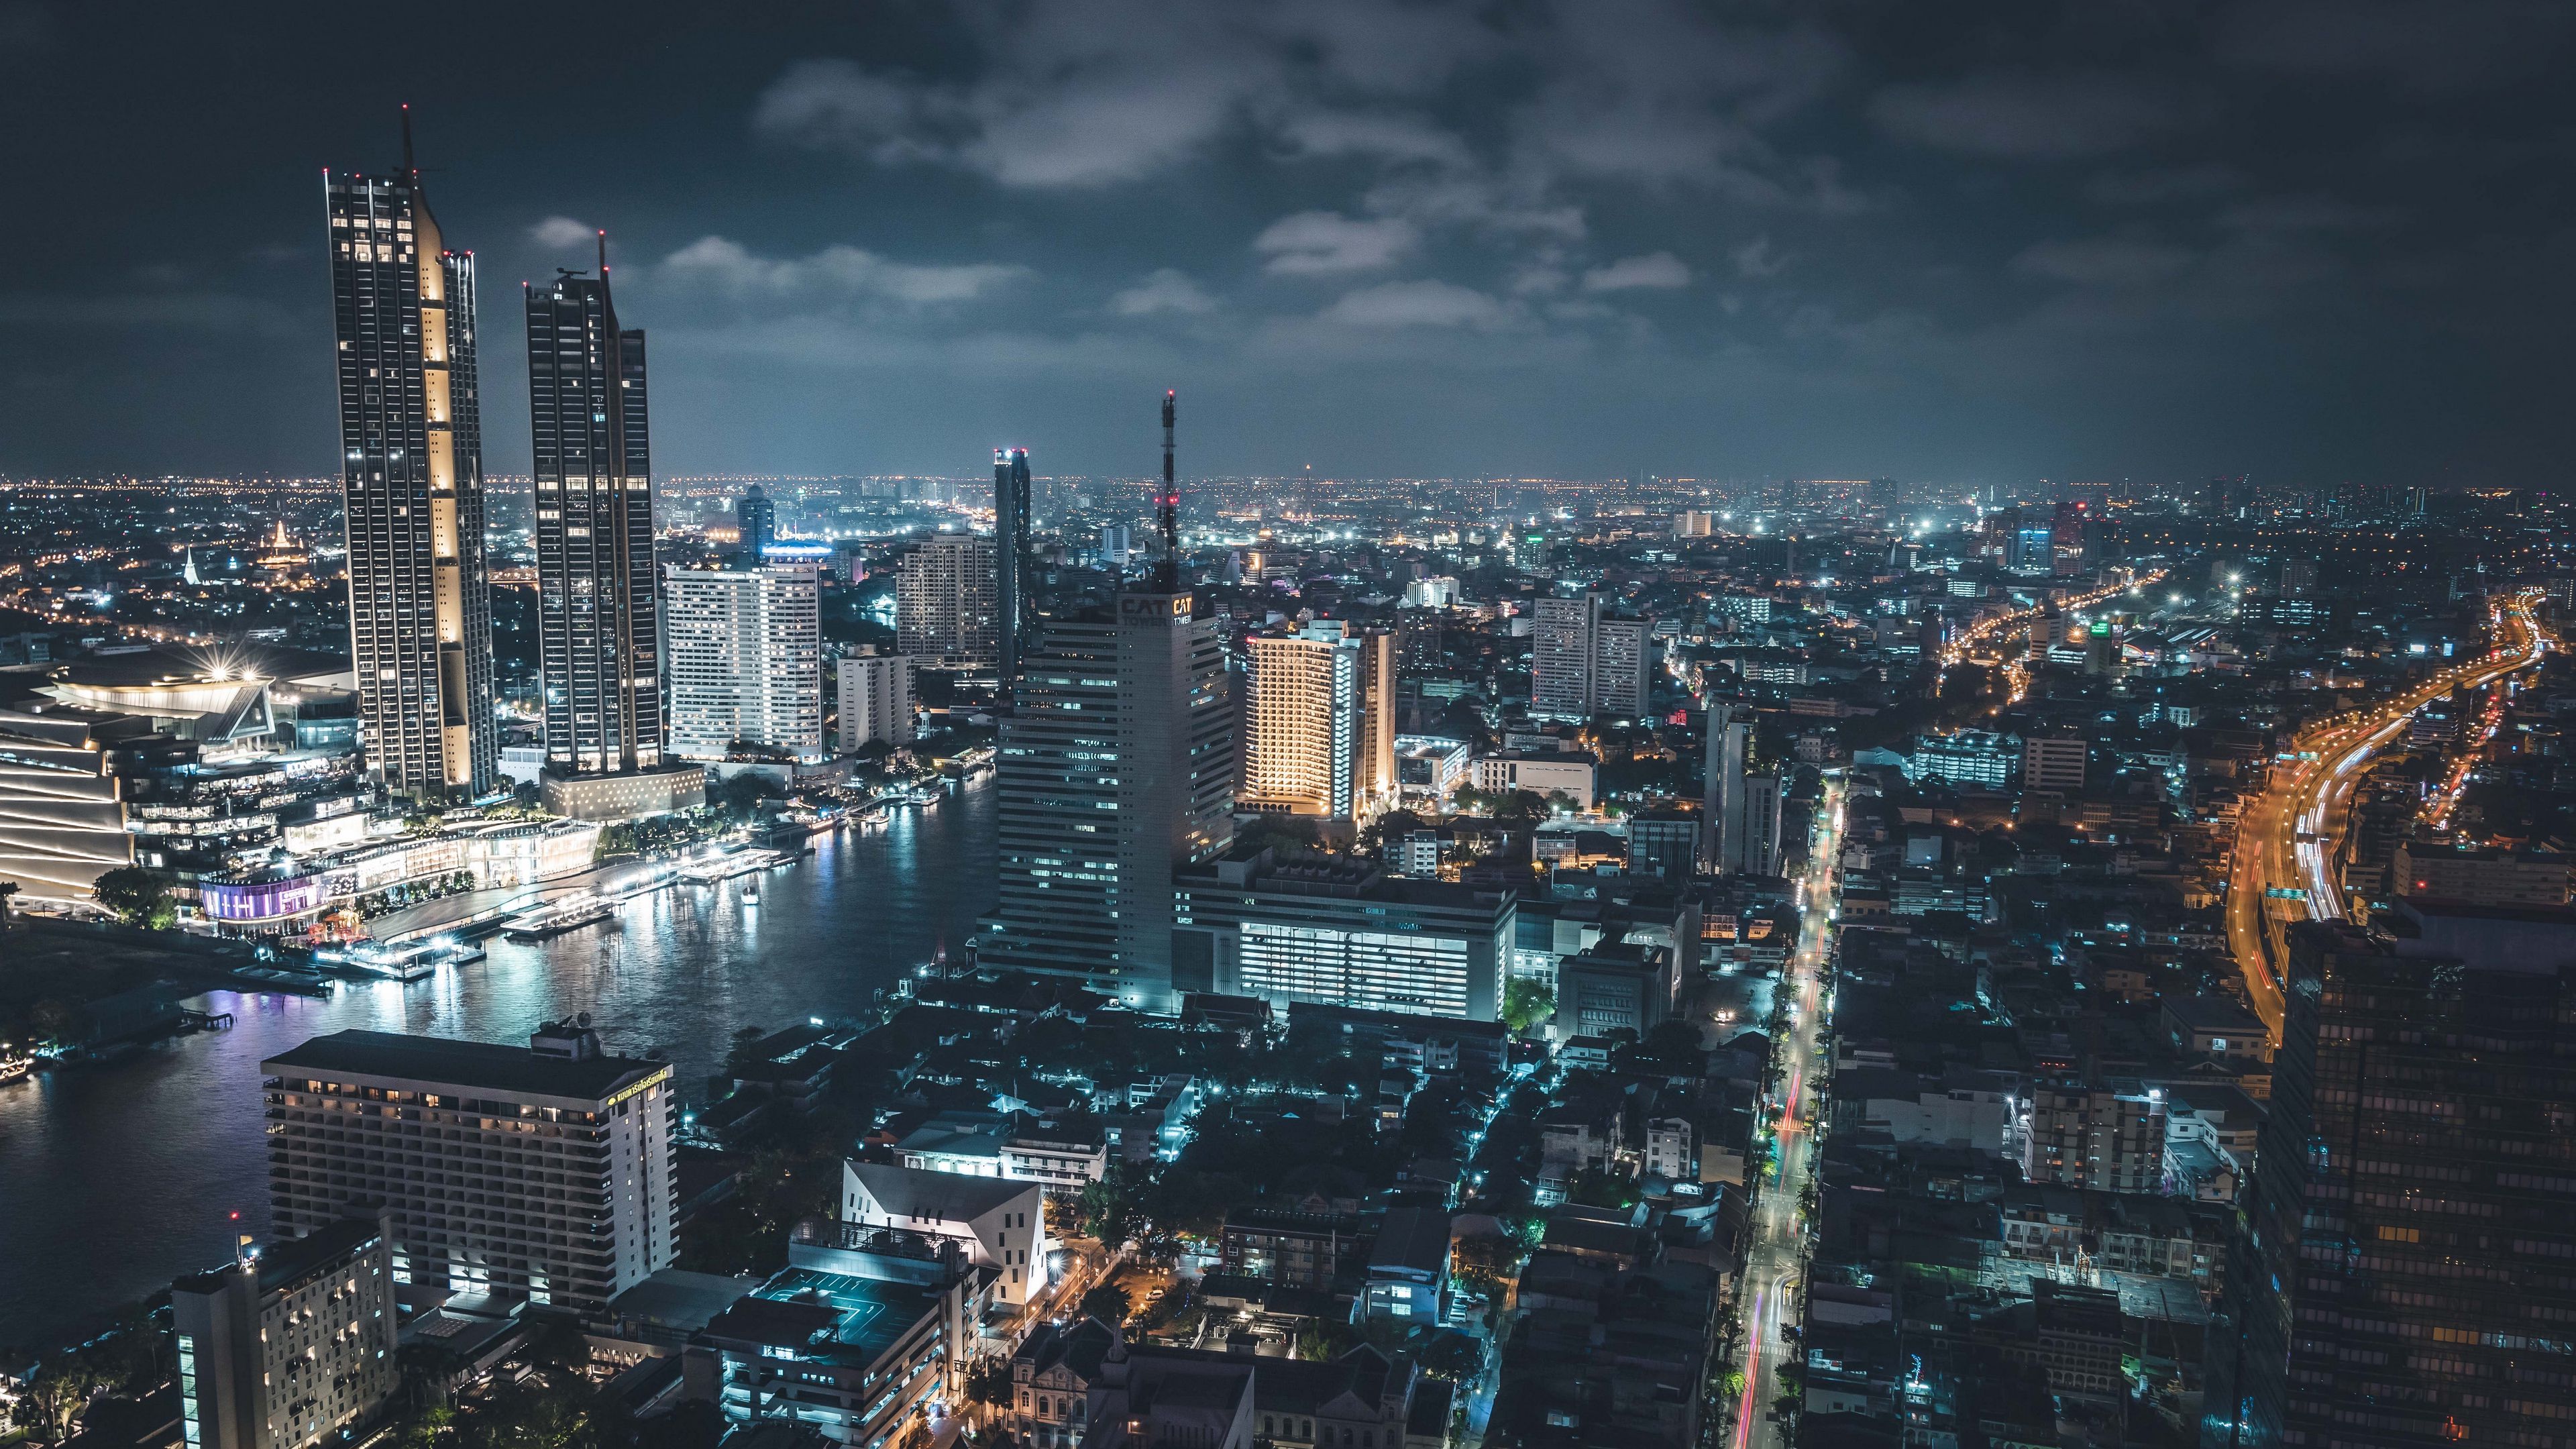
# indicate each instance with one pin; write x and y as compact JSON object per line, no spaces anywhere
{"x":1965,"y":243}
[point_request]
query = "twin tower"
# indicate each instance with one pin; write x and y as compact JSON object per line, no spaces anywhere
{"x":420,"y":604}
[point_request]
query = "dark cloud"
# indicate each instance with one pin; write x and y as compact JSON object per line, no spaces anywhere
{"x":2034,"y":117}
{"x":1381,"y":236}
{"x":2431,"y":48}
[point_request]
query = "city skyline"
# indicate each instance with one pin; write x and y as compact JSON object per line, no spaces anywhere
{"x":678,"y":954}
{"x":1419,"y":242}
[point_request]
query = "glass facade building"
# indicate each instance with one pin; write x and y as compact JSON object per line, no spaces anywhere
{"x":420,"y":607}
{"x":598,"y":625}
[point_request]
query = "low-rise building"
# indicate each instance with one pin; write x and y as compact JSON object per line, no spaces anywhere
{"x":997,"y":1223}
{"x":862,"y":1333}
{"x":1408,"y":1268}
{"x":1289,"y":1248}
{"x":1342,"y":934}
{"x":1540,"y":775}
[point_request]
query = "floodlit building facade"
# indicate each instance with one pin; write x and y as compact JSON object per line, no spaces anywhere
{"x":541,"y":1171}
{"x":420,"y":605}
{"x":291,"y":1347}
{"x":746,"y":660}
{"x":1320,"y":736}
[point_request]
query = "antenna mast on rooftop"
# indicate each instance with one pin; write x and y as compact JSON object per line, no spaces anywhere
{"x":1167,"y":510}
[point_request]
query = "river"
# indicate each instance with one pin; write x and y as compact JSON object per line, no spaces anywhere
{"x":116,"y":1179}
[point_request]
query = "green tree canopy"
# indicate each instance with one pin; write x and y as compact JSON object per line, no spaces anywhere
{"x":139,"y":897}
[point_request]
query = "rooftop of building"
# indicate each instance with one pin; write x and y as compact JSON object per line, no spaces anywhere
{"x":1412,"y":1240}
{"x":908,"y":1192}
{"x":487,"y":1066}
{"x":678,"y":1298}
{"x":286,"y":1260}
{"x":826,"y":1317}
{"x":1288,"y":1220}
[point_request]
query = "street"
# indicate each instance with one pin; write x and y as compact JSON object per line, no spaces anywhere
{"x":1778,"y":1228}
{"x":2290,"y":838}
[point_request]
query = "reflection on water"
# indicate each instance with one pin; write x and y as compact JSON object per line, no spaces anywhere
{"x":115,"y":1180}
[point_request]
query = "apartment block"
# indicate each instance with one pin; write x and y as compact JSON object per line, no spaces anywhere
{"x":288,"y":1347}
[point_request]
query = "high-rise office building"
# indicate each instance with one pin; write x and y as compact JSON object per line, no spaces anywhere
{"x":1320,"y":724}
{"x":755,"y":521}
{"x":947,"y":602}
{"x":1012,"y":559}
{"x":1587,"y":660}
{"x":289,"y":1347}
{"x":541,"y":1172}
{"x":598,"y":626}
{"x":876,"y":700}
{"x":1758,"y":828}
{"x":2402,"y":1272}
{"x":411,"y":449}
{"x":1722,"y":787}
{"x":1117,"y":767}
{"x":746,"y":660}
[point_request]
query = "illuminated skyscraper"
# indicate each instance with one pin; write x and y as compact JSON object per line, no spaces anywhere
{"x":1117,"y":767}
{"x":755,"y":517}
{"x":420,"y":608}
{"x":1011,"y":559}
{"x":1320,"y":737}
{"x":598,"y":624}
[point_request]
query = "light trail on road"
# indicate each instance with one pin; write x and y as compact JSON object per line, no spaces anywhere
{"x":1778,"y":1229}
{"x":2289,"y":837}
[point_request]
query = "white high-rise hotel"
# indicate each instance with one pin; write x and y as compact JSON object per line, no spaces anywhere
{"x":746,"y":660}
{"x":541,"y":1171}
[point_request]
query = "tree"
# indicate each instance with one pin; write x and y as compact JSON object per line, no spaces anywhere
{"x":1526,"y":1003}
{"x":1109,"y":1303}
{"x":428,"y":1429}
{"x":694,"y":1424}
{"x":138,"y":897}
{"x":1393,"y":825}
{"x":988,"y":1381}
{"x":1185,"y":1202}
{"x":1674,"y":1043}
{"x":1109,"y":1206}
{"x":1482,"y":1262}
{"x":57,"y":1394}
{"x":1320,"y":1340}
{"x":1448,"y":1355}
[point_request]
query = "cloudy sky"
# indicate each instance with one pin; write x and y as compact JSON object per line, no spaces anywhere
{"x":1966,"y":243}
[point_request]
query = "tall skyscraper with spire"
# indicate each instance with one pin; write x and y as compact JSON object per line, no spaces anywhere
{"x":1012,"y":561}
{"x":598,"y":616}
{"x":420,"y":609}
{"x":1117,"y":767}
